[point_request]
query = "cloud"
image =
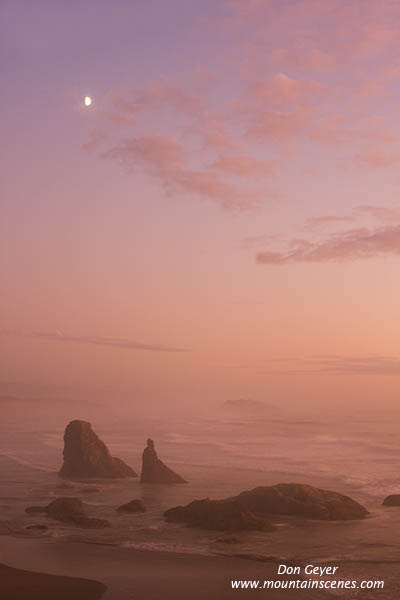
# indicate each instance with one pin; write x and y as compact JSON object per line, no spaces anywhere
{"x":123,"y":343}
{"x":315,"y":222}
{"x":155,"y":152}
{"x":283,"y":90}
{"x":349,"y":245}
{"x":209,"y":185}
{"x":313,"y":59}
{"x":164,"y":157}
{"x":373,"y":364}
{"x":244,"y":166}
{"x":381,"y":213}
{"x":158,"y":94}
{"x":377,"y":158}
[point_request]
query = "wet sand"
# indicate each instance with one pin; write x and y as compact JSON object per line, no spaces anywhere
{"x":18,"y":584}
{"x":142,"y":575}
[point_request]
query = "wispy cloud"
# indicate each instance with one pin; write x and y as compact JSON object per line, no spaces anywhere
{"x":164,"y":158}
{"x":349,"y":245}
{"x":122,"y":343}
{"x":377,"y":234}
{"x":373,"y":364}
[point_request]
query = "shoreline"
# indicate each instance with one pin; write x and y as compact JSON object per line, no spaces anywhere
{"x":144,"y":574}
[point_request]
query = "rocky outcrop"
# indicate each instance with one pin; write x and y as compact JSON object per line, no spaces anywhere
{"x":133,"y":506}
{"x":250,"y":509}
{"x":69,"y":510}
{"x":154,"y":470}
{"x":35,"y":510}
{"x":299,"y":500}
{"x":392,"y":500}
{"x":223,"y":515}
{"x":86,"y":456}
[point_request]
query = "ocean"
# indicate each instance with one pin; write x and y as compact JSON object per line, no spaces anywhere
{"x":221,"y":456}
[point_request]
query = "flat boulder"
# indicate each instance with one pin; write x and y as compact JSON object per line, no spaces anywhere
{"x":154,"y":470}
{"x":222,"y":515}
{"x":35,"y":510}
{"x":300,"y":500}
{"x":253,"y":509}
{"x":86,"y":456}
{"x":69,"y":510}
{"x":392,"y":500}
{"x":134,"y":506}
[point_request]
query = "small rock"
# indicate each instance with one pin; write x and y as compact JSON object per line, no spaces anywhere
{"x":133,"y":506}
{"x":32,"y":510}
{"x":66,"y":509}
{"x":69,"y":510}
{"x":223,"y":515}
{"x":392,"y":500}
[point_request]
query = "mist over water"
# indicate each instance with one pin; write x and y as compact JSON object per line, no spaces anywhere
{"x":220,"y":455}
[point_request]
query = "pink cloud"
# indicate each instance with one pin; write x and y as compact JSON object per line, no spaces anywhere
{"x":155,"y":152}
{"x":315,"y":222}
{"x":350,"y":245}
{"x":164,"y":157}
{"x":377,"y":158}
{"x":313,"y":59}
{"x":244,"y":165}
{"x":209,"y":185}
{"x":161,"y":93}
{"x":381,"y":213}
{"x":278,"y":125}
{"x":96,"y":138}
{"x":282,"y":90}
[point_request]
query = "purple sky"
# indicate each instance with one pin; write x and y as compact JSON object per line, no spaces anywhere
{"x":223,"y":220}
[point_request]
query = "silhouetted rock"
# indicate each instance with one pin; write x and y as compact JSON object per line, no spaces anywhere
{"x":244,"y":511}
{"x":37,"y":527}
{"x":154,"y":470}
{"x":66,"y":509}
{"x":227,"y":540}
{"x":32,"y":510}
{"x":88,"y":490}
{"x":133,"y":506}
{"x":299,"y":500}
{"x":69,"y":510}
{"x":85,"y":455}
{"x":392,"y":500}
{"x":224,"y":515}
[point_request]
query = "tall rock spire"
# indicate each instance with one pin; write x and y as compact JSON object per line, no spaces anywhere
{"x":85,"y":455}
{"x":154,"y":470}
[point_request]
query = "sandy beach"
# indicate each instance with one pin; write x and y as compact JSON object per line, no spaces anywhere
{"x":18,"y":583}
{"x":137,"y":575}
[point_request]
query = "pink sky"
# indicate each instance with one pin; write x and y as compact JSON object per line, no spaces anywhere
{"x":223,"y":221}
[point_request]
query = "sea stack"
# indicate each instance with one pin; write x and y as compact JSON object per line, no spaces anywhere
{"x":154,"y":470}
{"x":86,"y":456}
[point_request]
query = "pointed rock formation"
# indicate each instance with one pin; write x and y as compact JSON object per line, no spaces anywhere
{"x":154,"y":470}
{"x":85,"y":455}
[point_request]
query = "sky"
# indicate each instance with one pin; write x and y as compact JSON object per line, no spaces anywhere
{"x":222,"y":221}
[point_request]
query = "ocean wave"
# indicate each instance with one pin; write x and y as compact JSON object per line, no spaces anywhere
{"x":25,"y":462}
